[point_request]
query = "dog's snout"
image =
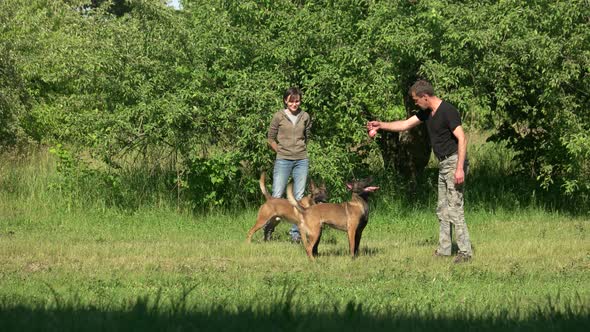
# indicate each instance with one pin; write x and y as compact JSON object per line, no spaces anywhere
{"x":321,"y":198}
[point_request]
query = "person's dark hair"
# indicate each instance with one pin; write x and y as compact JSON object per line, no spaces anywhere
{"x":421,"y":88}
{"x":292,"y":91}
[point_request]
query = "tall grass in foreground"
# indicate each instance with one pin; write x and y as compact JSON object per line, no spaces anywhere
{"x":285,"y":314}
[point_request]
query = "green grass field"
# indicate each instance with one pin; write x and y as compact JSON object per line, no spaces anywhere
{"x":65,"y":267}
{"x":85,"y":270}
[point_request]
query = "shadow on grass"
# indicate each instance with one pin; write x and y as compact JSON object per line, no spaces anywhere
{"x":344,"y":251}
{"x":283,"y":312}
{"x":284,"y":317}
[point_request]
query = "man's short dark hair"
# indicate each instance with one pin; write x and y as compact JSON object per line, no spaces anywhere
{"x":421,"y":88}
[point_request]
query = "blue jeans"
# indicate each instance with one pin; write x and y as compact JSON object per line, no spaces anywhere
{"x":282,"y":170}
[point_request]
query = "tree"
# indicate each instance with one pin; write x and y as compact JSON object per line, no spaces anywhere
{"x":190,"y":93}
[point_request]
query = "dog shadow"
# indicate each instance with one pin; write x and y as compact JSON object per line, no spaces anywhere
{"x":363,"y":251}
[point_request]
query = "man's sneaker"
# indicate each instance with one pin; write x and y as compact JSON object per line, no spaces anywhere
{"x":462,"y":258}
{"x":296,"y":239}
{"x":438,"y":254}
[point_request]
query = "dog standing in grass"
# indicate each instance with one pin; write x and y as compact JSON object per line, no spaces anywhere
{"x":351,"y":217}
{"x":276,"y":209}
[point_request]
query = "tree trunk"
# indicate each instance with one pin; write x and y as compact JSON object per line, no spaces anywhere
{"x":407,"y":153}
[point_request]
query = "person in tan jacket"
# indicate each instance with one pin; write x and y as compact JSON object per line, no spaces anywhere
{"x":288,"y":134}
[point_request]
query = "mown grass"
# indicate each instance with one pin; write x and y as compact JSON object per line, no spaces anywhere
{"x":68,"y":267}
{"x":158,"y":268}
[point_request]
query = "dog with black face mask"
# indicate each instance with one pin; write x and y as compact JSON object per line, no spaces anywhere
{"x":351,"y":217}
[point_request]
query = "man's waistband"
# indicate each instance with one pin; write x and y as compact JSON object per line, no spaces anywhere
{"x":443,"y":158}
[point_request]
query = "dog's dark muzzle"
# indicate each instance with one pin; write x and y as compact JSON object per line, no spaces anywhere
{"x":321,"y":198}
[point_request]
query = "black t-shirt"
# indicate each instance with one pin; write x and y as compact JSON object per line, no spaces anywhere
{"x":440,"y":128}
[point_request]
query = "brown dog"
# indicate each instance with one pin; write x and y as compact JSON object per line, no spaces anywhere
{"x":276,"y":209}
{"x":351,"y":217}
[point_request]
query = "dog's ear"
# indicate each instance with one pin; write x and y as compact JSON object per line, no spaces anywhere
{"x":312,"y":186}
{"x":370,"y":189}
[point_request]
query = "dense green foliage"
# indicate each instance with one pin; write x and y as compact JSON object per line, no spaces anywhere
{"x":136,"y":89}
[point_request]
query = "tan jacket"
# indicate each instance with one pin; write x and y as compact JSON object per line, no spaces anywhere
{"x":291,"y":138}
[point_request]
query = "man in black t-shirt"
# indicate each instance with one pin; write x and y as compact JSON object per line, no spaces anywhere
{"x":449,"y":145}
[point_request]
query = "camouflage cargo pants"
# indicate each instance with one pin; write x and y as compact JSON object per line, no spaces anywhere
{"x":450,"y":208}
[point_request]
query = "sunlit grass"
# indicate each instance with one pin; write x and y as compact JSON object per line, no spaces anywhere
{"x":65,"y":266}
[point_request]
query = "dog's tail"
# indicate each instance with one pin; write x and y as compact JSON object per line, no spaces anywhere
{"x":302,"y":226}
{"x":292,"y":199}
{"x":262,"y":183}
